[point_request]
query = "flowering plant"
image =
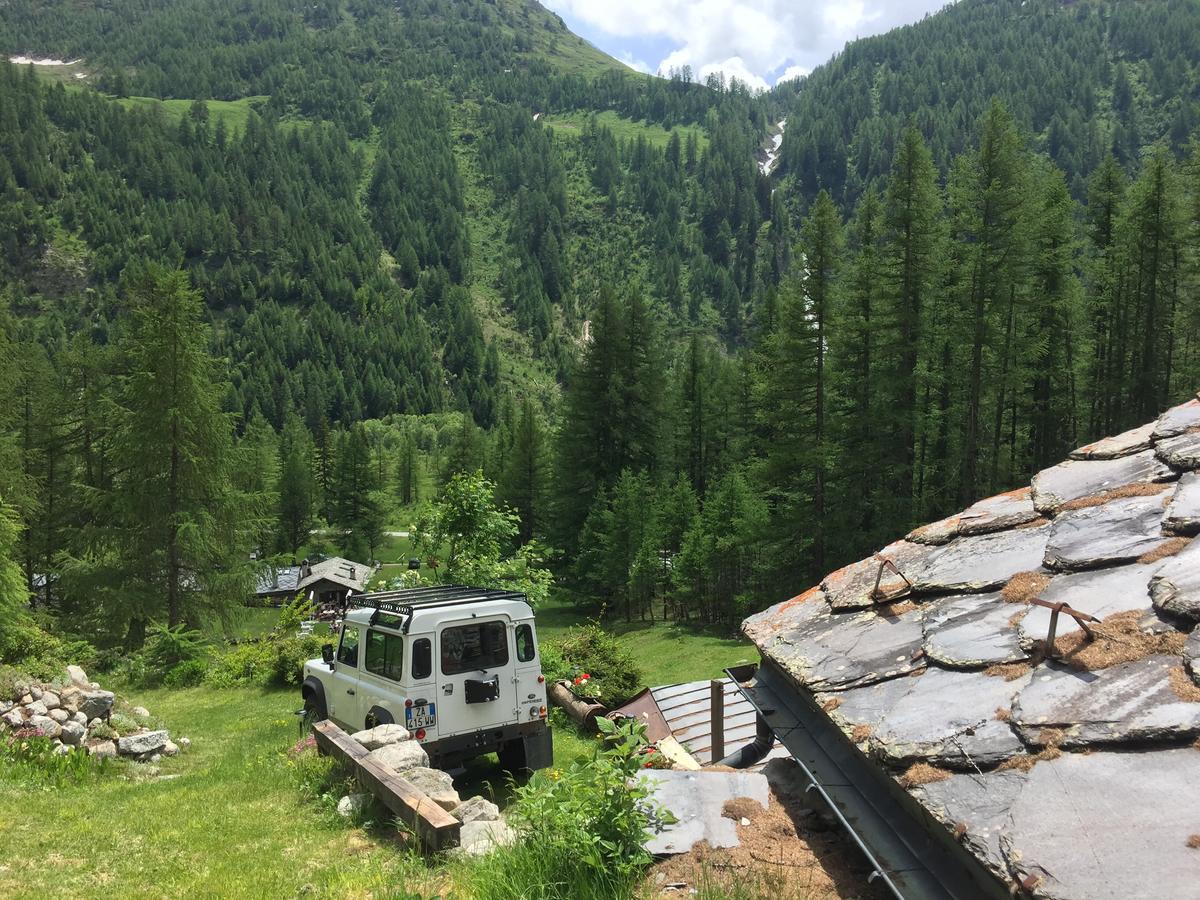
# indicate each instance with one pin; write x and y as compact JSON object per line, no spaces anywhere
{"x":583,"y":686}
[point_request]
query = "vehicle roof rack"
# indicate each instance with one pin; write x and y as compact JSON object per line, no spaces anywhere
{"x":405,"y":602}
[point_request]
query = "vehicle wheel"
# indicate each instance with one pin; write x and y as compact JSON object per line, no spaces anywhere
{"x":314,"y":711}
{"x":512,"y":758}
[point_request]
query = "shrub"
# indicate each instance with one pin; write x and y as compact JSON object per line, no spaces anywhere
{"x":274,"y":660}
{"x":29,"y":647}
{"x":584,"y":826}
{"x":186,"y":674}
{"x":168,"y":647}
{"x":590,"y":649}
{"x":290,"y":655}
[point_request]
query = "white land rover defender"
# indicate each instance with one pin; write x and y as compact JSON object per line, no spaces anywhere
{"x":456,"y":666}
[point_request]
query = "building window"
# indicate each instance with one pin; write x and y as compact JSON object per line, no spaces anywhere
{"x":474,"y":648}
{"x":526,"y":648}
{"x":422,"y":658}
{"x":348,"y":649}
{"x":385,"y":655}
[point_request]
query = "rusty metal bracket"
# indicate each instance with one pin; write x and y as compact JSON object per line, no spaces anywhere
{"x":1081,"y":618}
{"x":885,"y":563}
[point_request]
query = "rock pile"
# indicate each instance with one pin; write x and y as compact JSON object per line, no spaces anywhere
{"x":77,"y":713}
{"x":483,"y":826}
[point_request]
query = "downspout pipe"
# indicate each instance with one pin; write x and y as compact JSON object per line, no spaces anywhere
{"x":753,"y":752}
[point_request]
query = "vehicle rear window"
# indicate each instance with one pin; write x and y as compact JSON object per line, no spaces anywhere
{"x":422,"y":658}
{"x":474,"y":647}
{"x":526,"y":648}
{"x":385,"y":655}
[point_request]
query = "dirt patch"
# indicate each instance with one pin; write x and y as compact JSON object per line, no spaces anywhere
{"x":1025,"y":763}
{"x":922,"y":773}
{"x":860,"y":733}
{"x":1170,"y":548}
{"x":785,"y":853}
{"x":831,"y":704}
{"x":1024,"y":586}
{"x":1003,"y":714}
{"x":1118,"y":639}
{"x":1193,"y":841}
{"x":741,"y":808}
{"x":1183,"y":686}
{"x":1129,"y":490}
{"x":1008,"y":671}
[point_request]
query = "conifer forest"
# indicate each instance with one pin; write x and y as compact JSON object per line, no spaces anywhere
{"x":272,"y":273}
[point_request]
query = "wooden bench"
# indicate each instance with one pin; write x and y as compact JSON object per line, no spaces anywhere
{"x":435,"y":828}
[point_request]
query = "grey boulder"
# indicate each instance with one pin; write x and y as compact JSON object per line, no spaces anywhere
{"x":13,"y":718}
{"x":36,"y":708}
{"x":104,"y":750}
{"x":78,"y":677}
{"x":381,"y":736}
{"x":45,"y":725}
{"x":480,"y":838}
{"x":96,"y":704}
{"x":50,"y":700}
{"x":59,"y":715}
{"x":146,"y":743}
{"x":73,"y":733}
{"x":437,"y":785}
{"x":353,"y":804}
{"x":401,"y":756}
{"x":476,"y":809}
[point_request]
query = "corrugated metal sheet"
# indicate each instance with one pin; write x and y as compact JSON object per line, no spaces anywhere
{"x":686,"y":708}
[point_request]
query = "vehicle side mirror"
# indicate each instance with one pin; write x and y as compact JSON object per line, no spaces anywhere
{"x":327,"y":654}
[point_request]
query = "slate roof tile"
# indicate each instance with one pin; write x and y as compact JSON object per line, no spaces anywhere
{"x":1107,"y":808}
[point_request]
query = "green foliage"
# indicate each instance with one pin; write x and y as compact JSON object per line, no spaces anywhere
{"x":584,"y":826}
{"x":603,"y":656}
{"x":28,"y":759}
{"x":168,"y":647}
{"x":465,"y":524}
{"x":40,"y":653}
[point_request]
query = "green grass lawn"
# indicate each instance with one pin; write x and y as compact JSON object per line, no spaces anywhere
{"x":624,"y":129}
{"x":668,"y":653}
{"x":232,"y":823}
{"x":235,"y":113}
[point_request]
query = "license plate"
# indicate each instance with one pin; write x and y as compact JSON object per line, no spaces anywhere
{"x":420,"y":717}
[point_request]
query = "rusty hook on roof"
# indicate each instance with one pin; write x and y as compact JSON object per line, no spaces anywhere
{"x":884,"y":562}
{"x":1081,"y":618}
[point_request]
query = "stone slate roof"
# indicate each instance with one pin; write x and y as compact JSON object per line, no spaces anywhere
{"x":294,"y":579}
{"x":1074,"y":773}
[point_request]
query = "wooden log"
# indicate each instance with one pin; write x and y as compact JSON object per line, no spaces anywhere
{"x":435,"y":828}
{"x":582,"y":712}
{"x":717,"y":719}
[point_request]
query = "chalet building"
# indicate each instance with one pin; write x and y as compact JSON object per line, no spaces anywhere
{"x":328,"y":581}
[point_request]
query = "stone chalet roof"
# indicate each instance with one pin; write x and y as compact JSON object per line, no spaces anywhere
{"x":1074,"y":773}
{"x":294,"y":579}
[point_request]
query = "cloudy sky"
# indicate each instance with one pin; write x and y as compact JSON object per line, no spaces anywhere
{"x":762,"y":42}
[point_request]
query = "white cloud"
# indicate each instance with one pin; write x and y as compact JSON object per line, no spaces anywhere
{"x":635,"y":64}
{"x":746,"y":38}
{"x":793,"y":72}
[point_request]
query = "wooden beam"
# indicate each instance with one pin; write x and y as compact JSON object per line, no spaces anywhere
{"x":434,"y":827}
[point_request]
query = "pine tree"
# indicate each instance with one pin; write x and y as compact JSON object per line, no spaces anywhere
{"x":171,"y":538}
{"x":522,"y":484}
{"x":295,"y":488}
{"x":408,"y":470}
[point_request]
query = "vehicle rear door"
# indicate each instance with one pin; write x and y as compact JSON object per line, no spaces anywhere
{"x":475,"y":670}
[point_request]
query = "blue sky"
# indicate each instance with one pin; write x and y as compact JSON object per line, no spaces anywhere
{"x":759,"y":41}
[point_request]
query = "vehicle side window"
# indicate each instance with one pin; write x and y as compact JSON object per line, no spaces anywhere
{"x":348,"y":649}
{"x":526,"y":648}
{"x":470,"y":648}
{"x":385,"y":655}
{"x":422,"y":658}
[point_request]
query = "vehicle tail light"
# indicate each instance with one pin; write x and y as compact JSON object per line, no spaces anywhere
{"x":407,"y":704}
{"x":420,"y":734}
{"x":541,"y":679}
{"x":542,"y":712}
